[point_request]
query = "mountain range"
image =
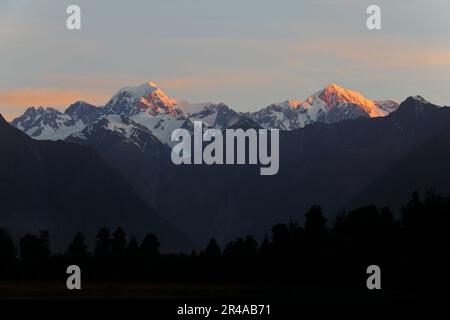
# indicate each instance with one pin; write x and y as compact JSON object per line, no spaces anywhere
{"x":329,"y":105}
{"x":338,"y":149}
{"x":148,"y":107}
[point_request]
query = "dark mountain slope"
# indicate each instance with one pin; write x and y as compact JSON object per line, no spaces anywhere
{"x":426,"y":168}
{"x":65,"y":188}
{"x":139,"y":156}
{"x":326,"y":164}
{"x":332,"y":162}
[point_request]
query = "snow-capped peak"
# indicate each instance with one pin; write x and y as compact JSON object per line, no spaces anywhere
{"x":140,"y":90}
{"x":334,"y":95}
{"x":158,"y":97}
{"x":331,"y":104}
{"x":145,"y":97}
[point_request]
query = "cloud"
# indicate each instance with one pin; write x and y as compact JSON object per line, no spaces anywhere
{"x":230,"y":79}
{"x":370,"y":51}
{"x":13,"y":102}
{"x":399,"y":57}
{"x":85,"y":81}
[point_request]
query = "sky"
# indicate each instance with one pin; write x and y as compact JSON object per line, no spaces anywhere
{"x":245,"y":53}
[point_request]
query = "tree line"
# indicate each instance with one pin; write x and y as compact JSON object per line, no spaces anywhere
{"x":412,"y":252}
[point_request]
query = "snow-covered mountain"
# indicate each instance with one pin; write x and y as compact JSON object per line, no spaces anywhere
{"x":147,"y":107}
{"x":147,"y":97}
{"x":51,"y":124}
{"x":219,"y":116}
{"x":83,"y":111}
{"x":287,"y":115}
{"x":122,"y":127}
{"x":332,"y":104}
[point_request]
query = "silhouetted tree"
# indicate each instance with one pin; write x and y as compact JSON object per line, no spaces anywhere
{"x":251,"y":246}
{"x":78,"y":249}
{"x":427,"y":237}
{"x":44,"y":236}
{"x":34,"y":249}
{"x":265,"y":246}
{"x":7,"y":253}
{"x":212,"y":249}
{"x":118,"y":242}
{"x":412,"y":212}
{"x":315,"y":223}
{"x":150,"y":245}
{"x":133,"y":248}
{"x":241,"y":248}
{"x":365,"y":228}
{"x":102,"y":243}
{"x":281,"y":240}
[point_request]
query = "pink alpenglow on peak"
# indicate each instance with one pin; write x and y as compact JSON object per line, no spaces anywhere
{"x":331,"y":104}
{"x":334,"y":95}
